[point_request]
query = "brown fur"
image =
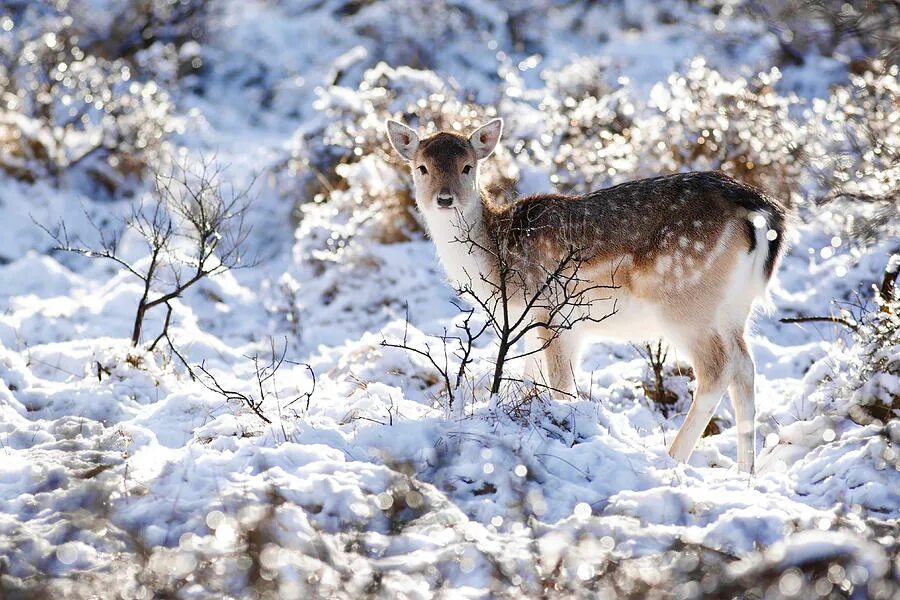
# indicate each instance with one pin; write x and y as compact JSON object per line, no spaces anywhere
{"x":644,"y":220}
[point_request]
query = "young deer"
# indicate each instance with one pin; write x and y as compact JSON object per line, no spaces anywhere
{"x":689,"y":255}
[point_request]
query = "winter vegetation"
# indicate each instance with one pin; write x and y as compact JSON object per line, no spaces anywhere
{"x":232,"y":365}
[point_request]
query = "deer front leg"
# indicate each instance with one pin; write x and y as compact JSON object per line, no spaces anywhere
{"x":550,"y":361}
{"x":535,"y":370}
{"x":561,"y":356}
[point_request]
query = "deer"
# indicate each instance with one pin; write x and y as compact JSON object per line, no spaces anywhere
{"x":691,"y":256}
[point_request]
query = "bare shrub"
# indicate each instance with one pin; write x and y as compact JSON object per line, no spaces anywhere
{"x":656,"y":390}
{"x":518,"y":298}
{"x":517,"y":306}
{"x":439,"y":354}
{"x":193,"y":227}
{"x":666,"y":383}
{"x":265,"y":370}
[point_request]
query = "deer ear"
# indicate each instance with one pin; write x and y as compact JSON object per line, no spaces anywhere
{"x":485,"y":138}
{"x":403,"y":139}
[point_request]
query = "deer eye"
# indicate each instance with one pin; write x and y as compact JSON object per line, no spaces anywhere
{"x":423,"y":170}
{"x":466,"y":169}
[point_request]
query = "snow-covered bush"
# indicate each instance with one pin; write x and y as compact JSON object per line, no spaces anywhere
{"x":743,"y":127}
{"x":875,"y":393}
{"x":596,"y":139}
{"x":67,"y":112}
{"x":861,"y":379}
{"x":158,"y":37}
{"x":856,"y":151}
{"x":864,"y":29}
{"x":696,"y":120}
{"x":422,"y":34}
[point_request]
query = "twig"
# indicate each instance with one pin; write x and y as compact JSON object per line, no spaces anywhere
{"x":190,"y":205}
{"x":817,"y":319}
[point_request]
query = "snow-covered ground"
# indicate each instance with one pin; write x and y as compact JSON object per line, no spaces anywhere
{"x":120,"y":476}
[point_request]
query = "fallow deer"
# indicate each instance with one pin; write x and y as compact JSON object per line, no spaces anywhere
{"x":691,"y":254}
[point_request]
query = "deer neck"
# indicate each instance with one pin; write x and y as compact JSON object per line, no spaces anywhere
{"x":460,"y":241}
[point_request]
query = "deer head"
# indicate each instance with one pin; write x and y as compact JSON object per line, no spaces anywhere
{"x":445,"y":165}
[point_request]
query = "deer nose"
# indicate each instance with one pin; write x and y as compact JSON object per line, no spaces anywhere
{"x":445,"y":199}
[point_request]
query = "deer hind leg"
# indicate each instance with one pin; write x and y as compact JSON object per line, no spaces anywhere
{"x":742,"y":395}
{"x":710,"y":362}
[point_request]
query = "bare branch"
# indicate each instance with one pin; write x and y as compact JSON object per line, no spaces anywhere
{"x":190,"y":208}
{"x":821,"y":319}
{"x":213,"y":385}
{"x":426,"y":353}
{"x":522,"y":295}
{"x":517,"y":297}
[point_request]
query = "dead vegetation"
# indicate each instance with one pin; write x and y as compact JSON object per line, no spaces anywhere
{"x":193,"y":226}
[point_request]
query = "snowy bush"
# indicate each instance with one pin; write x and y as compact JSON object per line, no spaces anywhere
{"x":875,"y":392}
{"x":595,"y":139}
{"x":703,"y":121}
{"x":160,"y":38}
{"x":862,"y":379}
{"x":422,"y":35}
{"x":860,"y":30}
{"x":67,"y":112}
{"x":698,"y":120}
{"x":856,"y":156}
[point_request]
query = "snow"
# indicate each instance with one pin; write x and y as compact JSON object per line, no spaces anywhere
{"x":115,"y":462}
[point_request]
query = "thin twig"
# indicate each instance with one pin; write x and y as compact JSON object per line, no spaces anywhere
{"x":821,"y":319}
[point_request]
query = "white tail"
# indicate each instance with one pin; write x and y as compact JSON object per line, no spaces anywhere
{"x":689,"y":254}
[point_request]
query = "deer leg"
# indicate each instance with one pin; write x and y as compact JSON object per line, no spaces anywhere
{"x":535,"y":366}
{"x":561,"y":357}
{"x":742,"y":397}
{"x":710,"y":360}
{"x":550,"y":361}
